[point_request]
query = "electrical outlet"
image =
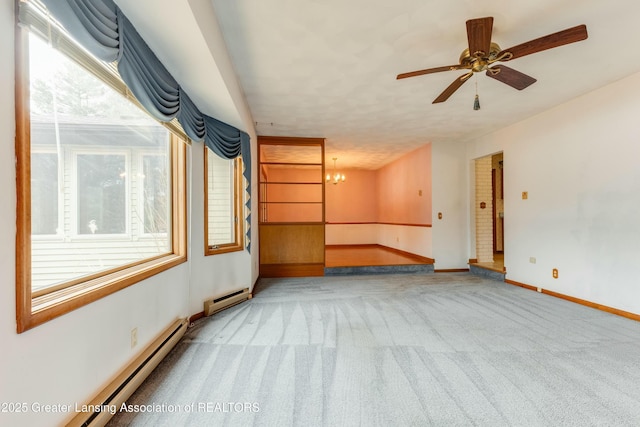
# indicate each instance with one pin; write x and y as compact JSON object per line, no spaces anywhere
{"x":554,"y":273}
{"x":134,"y":337}
{"x":525,"y":195}
{"x":532,"y":260}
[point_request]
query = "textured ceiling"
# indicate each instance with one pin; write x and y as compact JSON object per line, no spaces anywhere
{"x":297,"y":154}
{"x":326,"y":68}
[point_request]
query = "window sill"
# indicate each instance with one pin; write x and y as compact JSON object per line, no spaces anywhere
{"x":62,"y":301}
{"x":222,"y":250}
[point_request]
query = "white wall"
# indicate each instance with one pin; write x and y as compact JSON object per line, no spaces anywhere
{"x":351,"y":234}
{"x":215,"y":275}
{"x":449,"y":193}
{"x":580,"y":163}
{"x":212,"y":275}
{"x":69,"y":359}
{"x":407,"y":238}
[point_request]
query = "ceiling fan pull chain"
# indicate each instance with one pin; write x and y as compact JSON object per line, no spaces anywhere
{"x":476,"y":101}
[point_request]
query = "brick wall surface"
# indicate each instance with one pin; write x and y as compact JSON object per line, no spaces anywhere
{"x":484,"y":217}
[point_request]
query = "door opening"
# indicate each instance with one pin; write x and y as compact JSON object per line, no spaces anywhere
{"x":489,"y":212}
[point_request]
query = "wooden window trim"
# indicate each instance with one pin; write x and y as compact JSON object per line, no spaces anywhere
{"x":33,"y":309}
{"x":238,"y":183}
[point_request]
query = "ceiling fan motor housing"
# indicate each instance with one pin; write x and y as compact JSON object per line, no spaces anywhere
{"x":479,"y":63}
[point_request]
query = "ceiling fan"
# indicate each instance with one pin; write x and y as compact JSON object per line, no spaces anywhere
{"x":482,"y":53}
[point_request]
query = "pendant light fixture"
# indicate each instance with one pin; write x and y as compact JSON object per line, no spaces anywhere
{"x":336,"y":177}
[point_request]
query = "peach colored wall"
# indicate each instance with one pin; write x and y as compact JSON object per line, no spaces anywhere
{"x":399,"y":187}
{"x":353,"y":200}
{"x":293,"y":174}
{"x":311,"y":212}
{"x":390,"y":194}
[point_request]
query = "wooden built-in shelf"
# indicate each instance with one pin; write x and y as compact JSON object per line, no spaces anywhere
{"x":291,"y":164}
{"x":293,"y":244}
{"x":291,"y":183}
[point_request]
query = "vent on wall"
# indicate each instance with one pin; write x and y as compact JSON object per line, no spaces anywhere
{"x":215,"y":305}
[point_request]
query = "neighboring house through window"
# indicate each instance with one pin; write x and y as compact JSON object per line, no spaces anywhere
{"x":101,"y":193}
{"x":103,"y":185}
{"x":44,"y":194}
{"x":223,"y":207}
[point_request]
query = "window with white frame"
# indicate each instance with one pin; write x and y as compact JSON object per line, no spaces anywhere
{"x":101,"y":193}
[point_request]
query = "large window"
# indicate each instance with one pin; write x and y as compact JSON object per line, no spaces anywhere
{"x":223,"y":207}
{"x":101,"y":186}
{"x":101,"y":193}
{"x":155,"y":175}
{"x":44,"y":193}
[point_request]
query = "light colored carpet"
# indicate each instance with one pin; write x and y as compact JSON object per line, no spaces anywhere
{"x":391,"y":350}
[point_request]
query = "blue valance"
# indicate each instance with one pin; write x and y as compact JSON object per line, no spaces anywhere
{"x":222,"y":139}
{"x":190,"y":118}
{"x":144,"y":74}
{"x":101,"y":28}
{"x":93,"y":23}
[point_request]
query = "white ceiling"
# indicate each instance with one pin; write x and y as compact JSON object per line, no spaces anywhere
{"x":327,"y":68}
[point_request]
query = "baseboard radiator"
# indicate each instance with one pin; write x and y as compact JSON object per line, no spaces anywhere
{"x":123,"y":386}
{"x":215,"y":305}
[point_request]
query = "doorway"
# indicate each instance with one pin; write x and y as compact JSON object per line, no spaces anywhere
{"x":489,"y":212}
{"x":497,"y":184}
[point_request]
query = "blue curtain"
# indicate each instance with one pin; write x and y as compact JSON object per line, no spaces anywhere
{"x":190,"y":118}
{"x":145,"y":75}
{"x":93,"y":23}
{"x":101,"y":28}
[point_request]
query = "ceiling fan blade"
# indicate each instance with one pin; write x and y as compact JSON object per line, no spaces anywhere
{"x":479,"y":36}
{"x":513,"y":78}
{"x":570,"y":35}
{"x":452,"y":88}
{"x":429,"y":71}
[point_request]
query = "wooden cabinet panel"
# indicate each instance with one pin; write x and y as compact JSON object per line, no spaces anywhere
{"x":291,"y":243}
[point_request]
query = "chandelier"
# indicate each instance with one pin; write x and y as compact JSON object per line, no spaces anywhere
{"x":336,"y":177}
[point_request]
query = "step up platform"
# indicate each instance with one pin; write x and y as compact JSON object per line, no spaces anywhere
{"x":378,"y":269}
